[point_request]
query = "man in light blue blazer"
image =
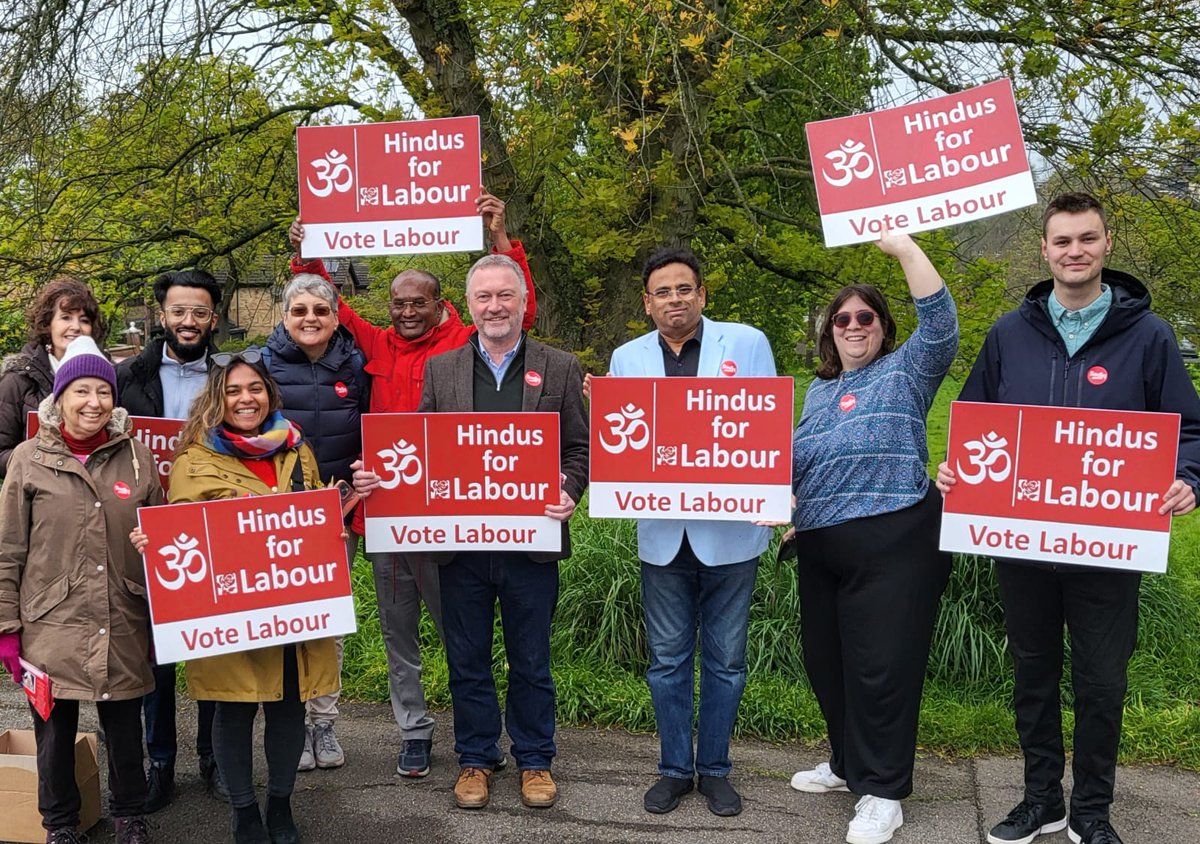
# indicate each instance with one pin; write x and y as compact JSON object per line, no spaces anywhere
{"x":697,"y":576}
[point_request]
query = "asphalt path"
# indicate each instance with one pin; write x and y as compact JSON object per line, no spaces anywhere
{"x":602,"y":775}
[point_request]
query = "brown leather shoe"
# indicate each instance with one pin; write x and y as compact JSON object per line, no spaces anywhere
{"x":538,"y":790}
{"x":471,"y":789}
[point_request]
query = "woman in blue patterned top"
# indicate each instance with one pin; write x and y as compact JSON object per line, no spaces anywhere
{"x":867,"y":518}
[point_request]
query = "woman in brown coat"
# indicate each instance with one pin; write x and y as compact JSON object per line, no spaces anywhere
{"x":72,"y":587}
{"x":236,"y":442}
{"x":62,"y":310}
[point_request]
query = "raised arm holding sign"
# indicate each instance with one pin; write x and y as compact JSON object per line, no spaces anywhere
{"x":939,"y":162}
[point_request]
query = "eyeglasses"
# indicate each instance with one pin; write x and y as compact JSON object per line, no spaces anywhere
{"x":683,"y":291}
{"x":301,"y":311}
{"x":864,"y":318}
{"x":181,"y":311}
{"x":415,"y":304}
{"x":225,"y":359}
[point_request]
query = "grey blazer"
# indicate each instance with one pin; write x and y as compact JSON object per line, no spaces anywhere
{"x":450,"y":388}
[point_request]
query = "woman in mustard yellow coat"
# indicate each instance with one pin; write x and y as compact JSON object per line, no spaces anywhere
{"x":236,"y":442}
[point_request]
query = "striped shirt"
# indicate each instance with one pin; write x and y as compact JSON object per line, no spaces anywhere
{"x":860,"y":447}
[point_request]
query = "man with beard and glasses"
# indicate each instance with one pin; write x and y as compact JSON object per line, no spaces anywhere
{"x":162,"y":381}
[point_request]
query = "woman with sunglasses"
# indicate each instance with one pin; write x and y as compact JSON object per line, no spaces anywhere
{"x":867,"y":518}
{"x":325,"y":391}
{"x":237,"y":442}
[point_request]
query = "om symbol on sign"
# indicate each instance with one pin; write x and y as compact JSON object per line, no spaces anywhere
{"x":184,"y":560}
{"x":333,"y":174}
{"x":851,"y":160}
{"x":629,"y":429}
{"x":402,"y":463}
{"x":988,"y":457}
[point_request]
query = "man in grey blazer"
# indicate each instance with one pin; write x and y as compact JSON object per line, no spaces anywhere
{"x":502,"y":370}
{"x":697,"y":576}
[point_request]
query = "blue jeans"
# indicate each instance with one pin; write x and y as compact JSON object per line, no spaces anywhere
{"x":528,"y":592}
{"x":159,"y":709}
{"x":679,"y":598}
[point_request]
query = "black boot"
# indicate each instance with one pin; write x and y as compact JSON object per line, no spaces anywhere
{"x":210,"y":775}
{"x":279,"y":821}
{"x":160,"y":787}
{"x":248,"y":826}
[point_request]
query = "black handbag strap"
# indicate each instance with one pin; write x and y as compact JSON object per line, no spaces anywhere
{"x":298,"y":475}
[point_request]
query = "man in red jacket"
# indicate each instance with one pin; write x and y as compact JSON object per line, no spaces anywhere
{"x":423,"y":325}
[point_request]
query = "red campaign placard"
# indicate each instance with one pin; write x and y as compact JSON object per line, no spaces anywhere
{"x":1060,"y":484}
{"x":691,"y":448}
{"x":160,"y":435}
{"x":462,"y":481}
{"x":390,"y":188}
{"x":918,"y":167}
{"x":245,"y":573}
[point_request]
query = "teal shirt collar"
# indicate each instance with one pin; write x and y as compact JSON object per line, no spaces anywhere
{"x":1077,"y":327}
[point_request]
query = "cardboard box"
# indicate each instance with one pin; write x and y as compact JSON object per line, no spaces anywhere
{"x":18,"y":785}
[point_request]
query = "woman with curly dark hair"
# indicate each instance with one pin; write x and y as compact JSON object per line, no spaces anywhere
{"x":61,"y":311}
{"x":871,"y":576}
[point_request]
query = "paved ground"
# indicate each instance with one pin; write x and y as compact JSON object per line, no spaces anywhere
{"x":602,"y":775}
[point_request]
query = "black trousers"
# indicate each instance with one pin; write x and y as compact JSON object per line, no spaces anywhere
{"x":283,"y":739}
{"x":58,"y":794}
{"x":1100,"y":609}
{"x":869,"y":595}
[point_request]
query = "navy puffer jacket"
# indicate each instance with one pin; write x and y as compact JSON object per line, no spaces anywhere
{"x":325,"y":398}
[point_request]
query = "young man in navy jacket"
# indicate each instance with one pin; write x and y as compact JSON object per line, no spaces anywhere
{"x":1084,"y":338}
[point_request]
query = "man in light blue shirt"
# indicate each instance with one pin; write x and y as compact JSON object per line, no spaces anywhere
{"x":162,"y":381}
{"x":697,"y":576}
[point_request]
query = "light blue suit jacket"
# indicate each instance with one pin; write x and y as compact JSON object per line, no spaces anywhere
{"x":715,"y":543}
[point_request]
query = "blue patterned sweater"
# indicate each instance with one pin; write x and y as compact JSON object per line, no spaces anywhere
{"x":860,"y":447}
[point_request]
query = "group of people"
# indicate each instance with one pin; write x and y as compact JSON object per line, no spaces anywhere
{"x":286,"y":417}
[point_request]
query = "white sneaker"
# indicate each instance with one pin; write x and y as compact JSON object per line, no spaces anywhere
{"x":327,"y":749}
{"x":307,"y":760}
{"x":875,"y":819}
{"x":819,"y":780}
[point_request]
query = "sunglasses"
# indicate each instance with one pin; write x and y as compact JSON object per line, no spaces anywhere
{"x":225,"y":359}
{"x":864,"y":318}
{"x":301,"y":311}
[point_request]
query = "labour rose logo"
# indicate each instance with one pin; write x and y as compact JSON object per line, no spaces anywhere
{"x":667,"y":455}
{"x":439,"y":489}
{"x":1029,"y":490}
{"x":227,"y":584}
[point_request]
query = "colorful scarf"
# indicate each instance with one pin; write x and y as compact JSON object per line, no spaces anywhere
{"x":277,"y":434}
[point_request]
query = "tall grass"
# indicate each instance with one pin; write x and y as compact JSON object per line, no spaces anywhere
{"x":599,"y":648}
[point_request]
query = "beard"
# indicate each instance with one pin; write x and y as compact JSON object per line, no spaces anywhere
{"x":187,"y":352}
